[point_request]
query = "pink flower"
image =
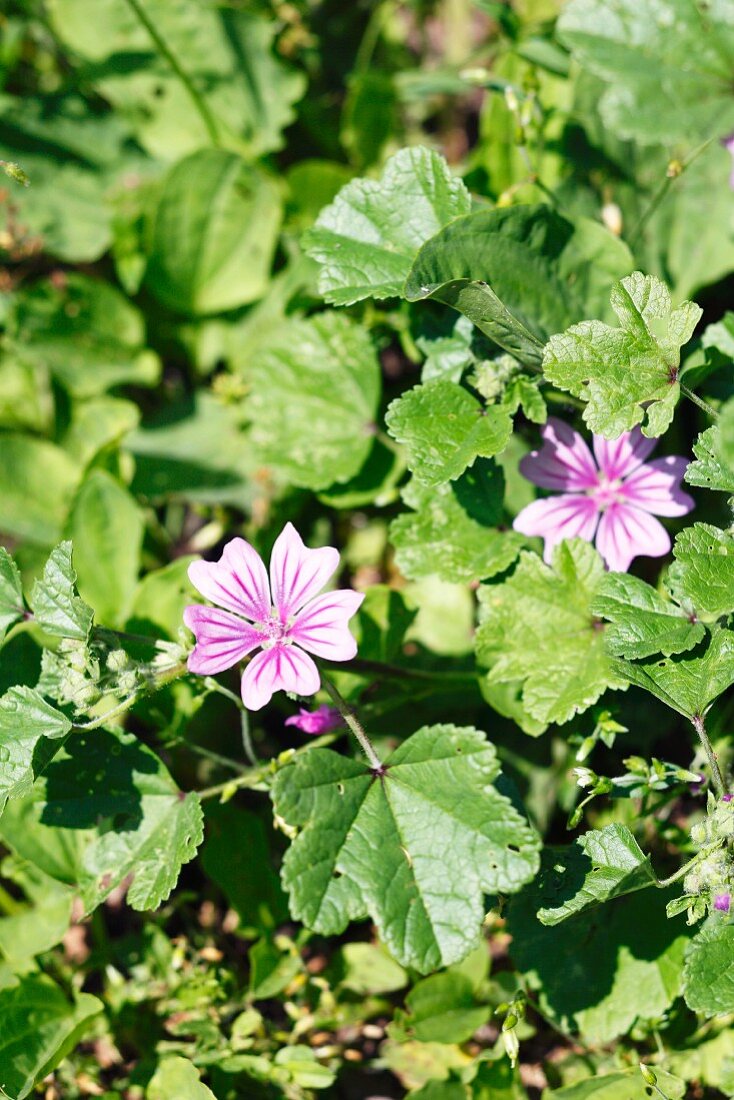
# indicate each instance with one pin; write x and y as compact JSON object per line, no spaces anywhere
{"x":728,"y":144}
{"x":321,"y":720}
{"x":282,"y":617}
{"x":722,"y":902}
{"x":610,"y":497}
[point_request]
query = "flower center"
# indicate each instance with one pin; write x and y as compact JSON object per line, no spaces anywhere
{"x":606,"y":492}
{"x":275,"y":630}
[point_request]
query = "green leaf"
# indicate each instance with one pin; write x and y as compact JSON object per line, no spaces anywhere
{"x":667,"y":64}
{"x":601,"y":865}
{"x":708,"y":975}
{"x":703,"y":570}
{"x":120,"y":812}
{"x":629,"y":1085}
{"x":315,"y":390}
{"x":380,"y":625}
{"x":97,"y":425}
{"x":642,"y":621}
{"x":367,"y":239}
{"x":12,"y":608}
{"x":688,"y":682}
{"x":213,"y":234}
{"x":711,"y":470}
{"x":40,"y":1027}
{"x":106,"y":527}
{"x":56,"y":605}
{"x":368,"y":968}
{"x":177,"y":1079}
{"x":444,"y":428}
{"x":40,"y":924}
{"x":453,"y":531}
{"x":519,"y":274}
{"x":538,"y":628}
{"x":39,"y":480}
{"x":604,"y":968}
{"x":25,"y":717}
{"x":87,"y":334}
{"x":367,"y":843}
{"x":630,"y":373}
{"x":441,"y":1009}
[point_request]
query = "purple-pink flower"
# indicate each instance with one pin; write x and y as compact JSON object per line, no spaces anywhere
{"x":722,"y":902}
{"x":283,"y":616}
{"x":728,"y":144}
{"x":610,"y":498}
{"x":321,"y":720}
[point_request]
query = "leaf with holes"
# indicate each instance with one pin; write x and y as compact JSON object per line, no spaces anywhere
{"x":376,"y":845}
{"x":703,"y":571}
{"x":641,"y":621}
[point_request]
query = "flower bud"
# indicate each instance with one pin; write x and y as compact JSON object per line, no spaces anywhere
{"x":648,"y":1074}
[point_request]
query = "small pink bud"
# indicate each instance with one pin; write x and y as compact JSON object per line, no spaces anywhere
{"x":722,"y":902}
{"x":321,"y":720}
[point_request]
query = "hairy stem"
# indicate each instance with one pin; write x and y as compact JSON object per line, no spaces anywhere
{"x":708,"y":409}
{"x":355,"y":725}
{"x":717,"y":777}
{"x":683,"y":871}
{"x":663,"y":188}
{"x":163,"y":48}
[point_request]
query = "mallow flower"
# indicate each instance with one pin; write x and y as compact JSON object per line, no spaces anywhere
{"x":282,"y":616}
{"x":322,"y":720}
{"x":610,"y":498}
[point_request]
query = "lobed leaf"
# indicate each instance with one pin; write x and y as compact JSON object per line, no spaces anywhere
{"x":12,"y":608}
{"x":57,"y":607}
{"x":641,"y":621}
{"x":538,"y":628}
{"x":626,"y":375}
{"x":703,"y":571}
{"x":377,"y":845}
{"x":708,"y":974}
{"x":25,"y":718}
{"x":711,"y":468}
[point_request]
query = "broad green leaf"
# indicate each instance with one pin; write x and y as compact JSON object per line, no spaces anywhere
{"x":444,"y":428}
{"x":368,"y":968}
{"x":441,"y":1009}
{"x":381,"y":623}
{"x":57,"y":607}
{"x":40,"y":1027}
{"x":213,"y":234}
{"x":85,"y":333}
{"x":452,"y":531}
{"x":228,"y":53}
{"x":315,"y":390}
{"x":120,"y":812}
{"x":98,"y":424}
{"x":367,"y":239}
{"x":39,"y":480}
{"x":272,"y":968}
{"x":688,"y":682}
{"x":243,"y":871}
{"x":711,"y":469}
{"x":37,"y":925}
{"x":667,"y":64}
{"x":703,"y":570}
{"x":25,"y":717}
{"x":177,"y":1079}
{"x":519,"y":274}
{"x":160,"y":599}
{"x":194,"y":450}
{"x":601,"y":865}
{"x":12,"y":608}
{"x":106,"y":527}
{"x":626,"y":375}
{"x":641,"y":621}
{"x":448,"y":356}
{"x":537,"y":627}
{"x":302,"y":1067}
{"x":708,"y":976}
{"x":367,"y":843}
{"x":629,"y":1085}
{"x":601,"y":969}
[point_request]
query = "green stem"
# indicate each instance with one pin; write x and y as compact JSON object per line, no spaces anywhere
{"x":215,"y":757}
{"x":662,"y":190}
{"x":355,"y":726}
{"x":717,"y":777}
{"x":251,"y":778}
{"x":165,"y":51}
{"x":360,"y":664}
{"x":214,"y":685}
{"x":698,"y":401}
{"x":661,"y":883}
{"x":164,"y":677}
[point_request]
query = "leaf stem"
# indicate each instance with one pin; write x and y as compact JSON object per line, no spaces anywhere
{"x":663,"y":188}
{"x":355,"y":726}
{"x":717,"y":777}
{"x":661,"y":883}
{"x":708,"y":409}
{"x":163,"y":48}
{"x":361,"y":664}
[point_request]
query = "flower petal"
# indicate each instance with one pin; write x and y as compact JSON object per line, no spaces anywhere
{"x":655,"y":487}
{"x":617,"y":458}
{"x":298,"y":573}
{"x":564,"y":517}
{"x":222,"y":640}
{"x":238,"y":581}
{"x":625,"y":532}
{"x":321,"y":720}
{"x":563,"y":462}
{"x":321,"y":627}
{"x":282,"y":668}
